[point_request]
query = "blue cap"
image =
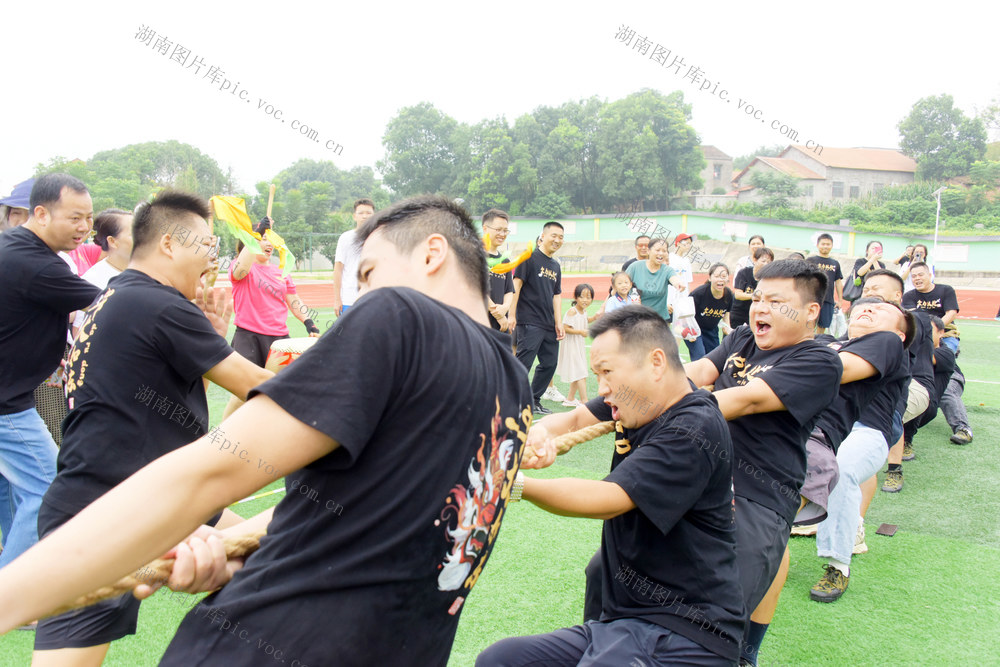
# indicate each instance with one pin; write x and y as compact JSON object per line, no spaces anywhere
{"x":20,"y":196}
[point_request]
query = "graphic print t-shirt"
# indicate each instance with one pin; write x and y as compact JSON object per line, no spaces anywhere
{"x":375,"y":546}
{"x":708,"y":309}
{"x":39,"y":293}
{"x":134,"y":387}
{"x":937,"y":302}
{"x":831,"y":268}
{"x":542,"y":280}
{"x":673,"y":559}
{"x":770,"y":447}
{"x":883,"y":350}
{"x":501,"y":284}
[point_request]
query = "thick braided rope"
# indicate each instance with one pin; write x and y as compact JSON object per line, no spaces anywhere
{"x":566,"y":442}
{"x":158,"y":571}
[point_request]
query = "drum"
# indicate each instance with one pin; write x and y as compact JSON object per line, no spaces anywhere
{"x":285,"y":351}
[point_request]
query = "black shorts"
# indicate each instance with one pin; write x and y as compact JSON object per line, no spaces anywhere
{"x":254,"y":346}
{"x":825,"y":315}
{"x":97,"y":624}
{"x":761,"y":536}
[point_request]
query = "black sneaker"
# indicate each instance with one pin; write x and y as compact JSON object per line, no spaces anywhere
{"x":830,"y":587}
{"x":541,"y":409}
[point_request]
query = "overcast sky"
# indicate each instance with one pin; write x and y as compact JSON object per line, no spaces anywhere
{"x":77,"y":80}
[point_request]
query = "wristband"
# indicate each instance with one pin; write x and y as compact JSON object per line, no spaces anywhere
{"x":310,"y":326}
{"x":517,"y":488}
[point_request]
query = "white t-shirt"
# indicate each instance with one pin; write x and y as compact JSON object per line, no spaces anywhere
{"x":350,"y":256}
{"x":99,"y":274}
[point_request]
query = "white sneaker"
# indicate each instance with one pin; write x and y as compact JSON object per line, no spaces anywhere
{"x":572,"y":404}
{"x":805,"y":531}
{"x":859,"y":540}
{"x":553,"y":394}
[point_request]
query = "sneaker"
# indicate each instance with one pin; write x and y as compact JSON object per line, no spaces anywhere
{"x":830,"y":587}
{"x":541,"y":409}
{"x":553,"y":394}
{"x":571,"y":404}
{"x":805,"y":531}
{"x":962,"y":436}
{"x":908,"y":454}
{"x":859,"y":540}
{"x":893,"y":481}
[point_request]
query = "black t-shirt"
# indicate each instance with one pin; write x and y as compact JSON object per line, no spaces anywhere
{"x":134,"y":385}
{"x":542,"y":280}
{"x":943,"y":368}
{"x":883,"y":350}
{"x":938,"y":301}
{"x":375,"y":547}
{"x":922,"y":352}
{"x":744,"y":282}
{"x":629,"y":262}
{"x":672,"y":560}
{"x":708,"y":309}
{"x":858,"y":263}
{"x":39,"y":291}
{"x":831,"y":268}
{"x":501,"y":284}
{"x":770,"y":447}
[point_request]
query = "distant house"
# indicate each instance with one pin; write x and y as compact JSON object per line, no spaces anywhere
{"x":835,"y":175}
{"x":717,"y":175}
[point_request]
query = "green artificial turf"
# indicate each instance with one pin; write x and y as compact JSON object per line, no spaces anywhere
{"x":924,"y":596}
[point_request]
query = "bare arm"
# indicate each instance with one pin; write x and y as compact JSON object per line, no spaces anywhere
{"x":592,"y":499}
{"x":245,"y":260}
{"x":949,"y":317}
{"x":752,"y":398}
{"x":541,"y":433}
{"x":855,"y":368}
{"x":512,"y":313}
{"x":238,"y":375}
{"x":161,"y":505}
{"x":702,"y":372}
{"x":838,"y":290}
{"x":557,"y":316}
{"x":338,"y":280}
{"x":299,"y":310}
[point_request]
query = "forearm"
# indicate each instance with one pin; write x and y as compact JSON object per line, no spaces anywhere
{"x":949,"y":317}
{"x":338,"y":279}
{"x":508,"y":300}
{"x":701,"y":372}
{"x":557,"y":308}
{"x":254,"y":524}
{"x":591,"y":499}
{"x":299,"y":309}
{"x":742,"y":296}
{"x":243,"y":263}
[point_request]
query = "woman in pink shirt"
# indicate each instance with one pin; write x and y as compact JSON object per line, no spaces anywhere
{"x":262,"y":299}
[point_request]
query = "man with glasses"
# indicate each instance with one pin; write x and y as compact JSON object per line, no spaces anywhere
{"x":496,"y":227}
{"x":641,"y":251}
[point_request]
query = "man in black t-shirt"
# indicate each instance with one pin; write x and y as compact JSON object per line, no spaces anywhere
{"x":934,"y":299}
{"x":668,"y":544}
{"x":536,"y":314}
{"x":944,"y":367}
{"x":772,"y":381}
{"x":135,"y":391}
{"x":398,"y":472}
{"x":641,"y":251}
{"x":834,"y":279}
{"x":496,"y":227}
{"x":39,"y":294}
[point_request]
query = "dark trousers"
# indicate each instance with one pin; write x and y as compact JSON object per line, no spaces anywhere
{"x":703,"y":344}
{"x":928,"y":415}
{"x":538,"y":341}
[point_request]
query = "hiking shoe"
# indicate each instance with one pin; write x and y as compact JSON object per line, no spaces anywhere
{"x":830,"y":587}
{"x":553,"y":394}
{"x":893,"y":481}
{"x":859,"y":540}
{"x":962,"y":436}
{"x":541,"y":409}
{"x":805,"y":531}
{"x":908,"y":454}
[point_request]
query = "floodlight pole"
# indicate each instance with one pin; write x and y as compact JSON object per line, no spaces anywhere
{"x":937,"y":216}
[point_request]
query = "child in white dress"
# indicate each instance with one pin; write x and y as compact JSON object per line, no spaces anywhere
{"x":572,"y":365}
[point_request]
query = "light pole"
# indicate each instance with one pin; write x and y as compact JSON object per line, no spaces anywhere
{"x":937,"y":216}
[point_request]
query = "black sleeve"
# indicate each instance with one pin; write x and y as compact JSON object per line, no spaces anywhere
{"x":58,"y":288}
{"x":719,"y":355}
{"x":839,"y":275}
{"x":524,"y":269}
{"x":728,"y":299}
{"x":803,"y":380}
{"x":945,"y":360}
{"x":187,"y":341}
{"x":698,"y":294}
{"x":508,"y":282}
{"x":349,"y":412}
{"x":599,"y":409}
{"x":881,"y":349}
{"x":910,"y":299}
{"x":949,"y":301}
{"x":665,"y":477}
{"x":743,"y":279}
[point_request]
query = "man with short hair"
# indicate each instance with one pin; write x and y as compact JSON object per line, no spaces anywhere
{"x":136,"y":391}
{"x":834,"y":280}
{"x":39,"y":293}
{"x":641,"y":251}
{"x":346,"y":258}
{"x":536,"y":313}
{"x":935,"y":299}
{"x":496,"y":227}
{"x":668,"y":543}
{"x":421,"y":487}
{"x":113,"y":234}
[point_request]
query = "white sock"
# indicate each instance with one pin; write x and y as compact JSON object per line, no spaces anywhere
{"x":845,"y":568}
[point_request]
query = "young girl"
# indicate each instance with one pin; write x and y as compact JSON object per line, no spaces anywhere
{"x":622,"y":294}
{"x":572,"y":366}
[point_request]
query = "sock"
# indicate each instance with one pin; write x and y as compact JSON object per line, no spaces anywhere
{"x":751,"y":641}
{"x":895,"y":467}
{"x":845,"y":568}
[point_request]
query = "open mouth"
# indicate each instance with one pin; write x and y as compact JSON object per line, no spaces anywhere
{"x":761,"y":328}
{"x":615,"y":412}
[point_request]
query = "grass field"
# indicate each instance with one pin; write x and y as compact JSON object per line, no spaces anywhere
{"x":921,"y":597}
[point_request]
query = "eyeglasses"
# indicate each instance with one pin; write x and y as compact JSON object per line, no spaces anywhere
{"x":499,"y":230}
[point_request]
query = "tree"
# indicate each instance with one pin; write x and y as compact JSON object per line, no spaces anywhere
{"x":550,"y":205}
{"x":420,"y":157}
{"x":942,"y":140}
{"x":743,"y":161}
{"x":777,"y":189}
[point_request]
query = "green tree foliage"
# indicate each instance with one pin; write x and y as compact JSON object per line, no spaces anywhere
{"x":943,"y":140}
{"x":742,"y":161}
{"x":420,"y":156}
{"x":777,"y":189}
